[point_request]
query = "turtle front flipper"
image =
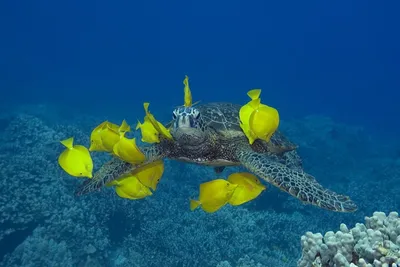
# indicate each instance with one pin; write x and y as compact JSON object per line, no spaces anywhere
{"x":115,"y":168}
{"x":295,"y":182}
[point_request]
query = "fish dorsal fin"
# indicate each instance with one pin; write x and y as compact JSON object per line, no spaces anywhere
{"x":254,"y":94}
{"x":100,"y":126}
{"x":68,"y":143}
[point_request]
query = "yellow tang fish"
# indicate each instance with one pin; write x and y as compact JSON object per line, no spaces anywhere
{"x":213,"y":195}
{"x":157,"y":125}
{"x":127,"y":150}
{"x":110,"y":135}
{"x":148,"y":132}
{"x":96,"y":143}
{"x":264,"y":121}
{"x":75,"y":159}
{"x":128,"y":186}
{"x":258,"y":121}
{"x":249,"y":187}
{"x":187,"y":93}
{"x":150,"y":174}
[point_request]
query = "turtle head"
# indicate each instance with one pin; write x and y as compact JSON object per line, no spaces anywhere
{"x":188,"y":126}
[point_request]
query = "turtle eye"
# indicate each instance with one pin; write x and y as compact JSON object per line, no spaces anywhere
{"x":173,"y":115}
{"x":196,"y":115}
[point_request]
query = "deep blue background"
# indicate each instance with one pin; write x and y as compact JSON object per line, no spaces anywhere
{"x":105,"y":58}
{"x":338,"y":58}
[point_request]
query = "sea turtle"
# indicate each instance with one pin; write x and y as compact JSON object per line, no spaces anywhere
{"x":210,"y":134}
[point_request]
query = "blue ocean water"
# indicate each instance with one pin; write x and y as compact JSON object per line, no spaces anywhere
{"x":331,"y":68}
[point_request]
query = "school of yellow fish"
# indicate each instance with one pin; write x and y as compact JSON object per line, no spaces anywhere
{"x":238,"y":189}
{"x":257,"y":120}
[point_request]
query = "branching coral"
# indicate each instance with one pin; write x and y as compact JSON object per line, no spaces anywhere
{"x":375,"y":243}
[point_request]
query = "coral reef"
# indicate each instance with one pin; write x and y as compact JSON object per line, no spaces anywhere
{"x":375,"y":243}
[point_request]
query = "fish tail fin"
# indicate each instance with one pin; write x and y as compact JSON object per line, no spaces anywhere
{"x":124,"y":127}
{"x":255,"y":103}
{"x":138,"y":125}
{"x":194,"y":204}
{"x":146,"y":107}
{"x":186,"y":80}
{"x":68,"y":143}
{"x":187,"y":92}
{"x":254,"y":94}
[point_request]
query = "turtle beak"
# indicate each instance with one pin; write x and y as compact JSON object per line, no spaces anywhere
{"x":184,"y":122}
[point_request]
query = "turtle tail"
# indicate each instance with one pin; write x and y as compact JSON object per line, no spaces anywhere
{"x":295,"y":182}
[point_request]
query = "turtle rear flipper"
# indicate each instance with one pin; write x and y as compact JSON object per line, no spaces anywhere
{"x":295,"y":182}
